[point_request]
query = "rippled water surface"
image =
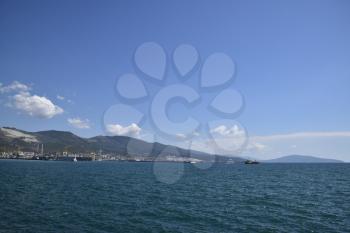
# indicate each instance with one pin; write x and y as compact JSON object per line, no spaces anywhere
{"x":42,"y":196}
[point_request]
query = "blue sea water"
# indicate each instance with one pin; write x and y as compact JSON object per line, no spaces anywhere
{"x":44,"y":196}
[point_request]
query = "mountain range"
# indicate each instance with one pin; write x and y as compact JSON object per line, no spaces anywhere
{"x":302,"y":159}
{"x":12,"y":139}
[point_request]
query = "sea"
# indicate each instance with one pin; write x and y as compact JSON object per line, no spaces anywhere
{"x":52,"y":196}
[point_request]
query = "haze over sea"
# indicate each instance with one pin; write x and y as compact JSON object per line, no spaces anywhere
{"x":44,"y":196}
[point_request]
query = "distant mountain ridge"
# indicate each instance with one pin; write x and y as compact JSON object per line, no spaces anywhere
{"x":302,"y":159}
{"x":58,"y":141}
{"x":12,"y":139}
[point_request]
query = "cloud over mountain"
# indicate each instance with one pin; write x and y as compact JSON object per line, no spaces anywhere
{"x":79,"y":123}
{"x":132,"y":130}
{"x":33,"y":105}
{"x":227,"y":131}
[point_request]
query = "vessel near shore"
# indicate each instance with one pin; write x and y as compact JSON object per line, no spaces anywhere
{"x":251,"y":162}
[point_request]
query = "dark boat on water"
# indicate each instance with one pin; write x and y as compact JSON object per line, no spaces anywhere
{"x":251,"y":162}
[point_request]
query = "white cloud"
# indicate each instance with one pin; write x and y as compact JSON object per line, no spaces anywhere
{"x":79,"y":123}
{"x":226,"y":140}
{"x":15,"y":86}
{"x":256,"y":147}
{"x":132,"y":130}
{"x":189,"y":136}
{"x":60,"y":97}
{"x":223,"y":130}
{"x":34,"y":105}
{"x":21,"y":99}
{"x":301,"y":135}
{"x":181,"y":136}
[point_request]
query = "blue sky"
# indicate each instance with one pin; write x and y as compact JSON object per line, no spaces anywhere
{"x":291,"y":66}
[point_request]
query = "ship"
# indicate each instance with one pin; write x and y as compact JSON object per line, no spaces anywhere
{"x":251,"y":162}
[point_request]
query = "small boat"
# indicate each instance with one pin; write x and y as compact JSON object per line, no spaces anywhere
{"x":75,"y":159}
{"x":251,"y":162}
